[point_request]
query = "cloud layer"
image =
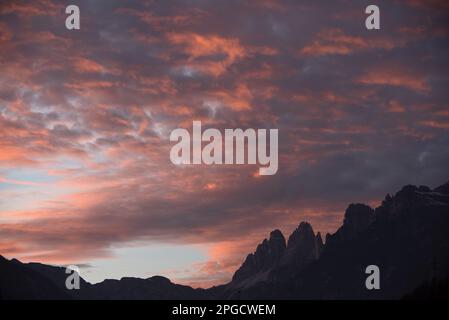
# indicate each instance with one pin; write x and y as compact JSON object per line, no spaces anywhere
{"x":359,"y":114}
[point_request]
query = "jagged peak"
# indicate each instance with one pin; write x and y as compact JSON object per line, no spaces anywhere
{"x":267,"y":255}
{"x":302,"y":232}
{"x":358,"y":217}
{"x":318,"y":245}
{"x":407,"y":192}
{"x":276,"y":233}
{"x":276,"y":239}
{"x":319,"y":238}
{"x":304,"y":226}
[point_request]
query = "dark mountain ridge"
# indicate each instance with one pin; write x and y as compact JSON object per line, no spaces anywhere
{"x":406,"y":237}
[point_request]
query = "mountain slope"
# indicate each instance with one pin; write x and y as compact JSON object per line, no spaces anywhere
{"x":35,"y":281}
{"x":19,"y":281}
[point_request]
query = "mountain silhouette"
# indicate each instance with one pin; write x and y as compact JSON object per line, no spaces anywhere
{"x":406,"y":237}
{"x":39,"y":281}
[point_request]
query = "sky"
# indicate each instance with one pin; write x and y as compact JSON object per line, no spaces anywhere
{"x":86,"y":115}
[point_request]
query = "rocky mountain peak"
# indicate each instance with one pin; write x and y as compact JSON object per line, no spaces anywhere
{"x":276,"y":236}
{"x":318,"y":245}
{"x":319,"y":238}
{"x":357,"y":217}
{"x":266,"y":256}
{"x":302,"y":247}
{"x":303,"y":233}
{"x":410,"y":199}
{"x":273,"y":253}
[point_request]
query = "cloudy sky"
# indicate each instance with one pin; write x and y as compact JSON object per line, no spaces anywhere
{"x":85,"y":119}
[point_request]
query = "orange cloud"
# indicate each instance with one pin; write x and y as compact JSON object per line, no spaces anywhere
{"x":87,"y":65}
{"x":35,"y":8}
{"x":395,"y":106}
{"x":335,"y":41}
{"x":198,"y":46}
{"x":394,"y":77}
